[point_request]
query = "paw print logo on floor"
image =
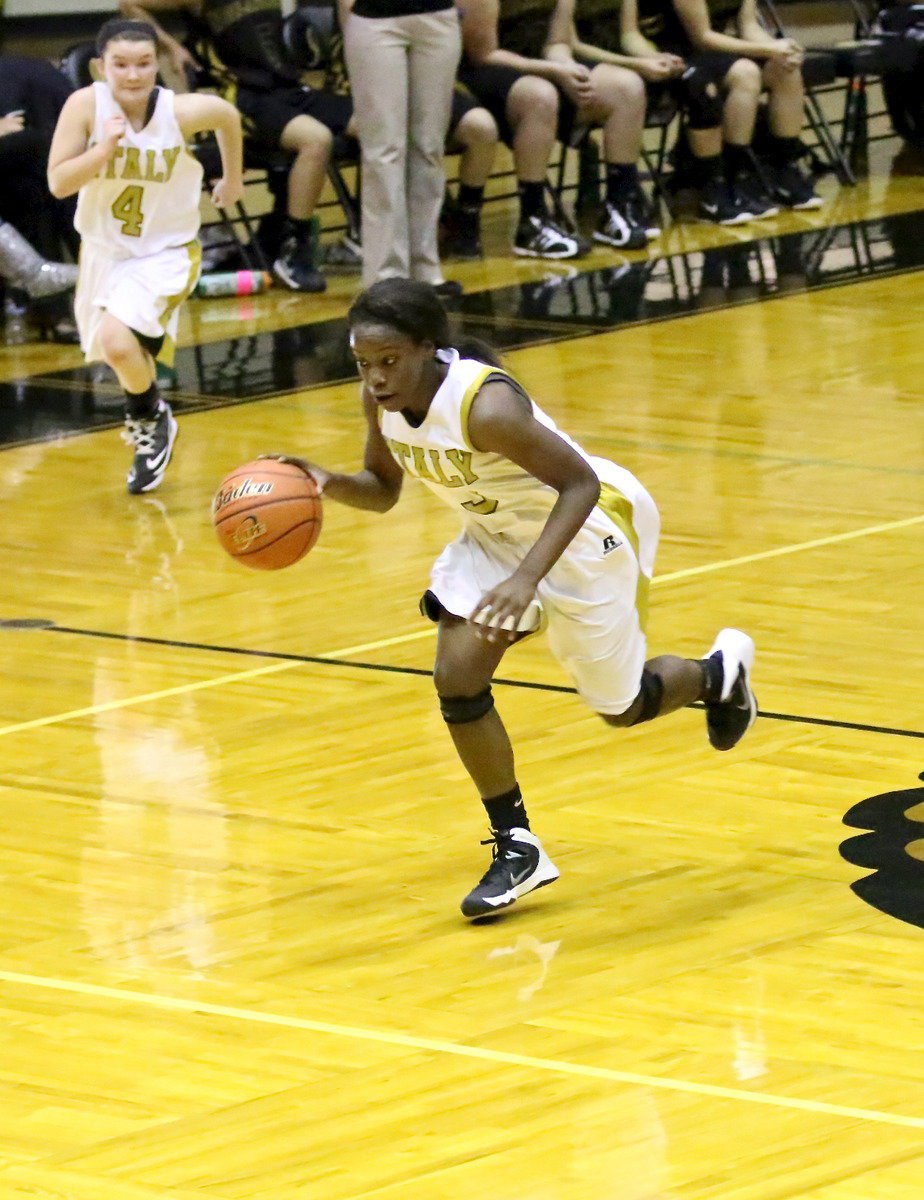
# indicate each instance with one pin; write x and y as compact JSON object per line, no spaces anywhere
{"x":893,"y":849}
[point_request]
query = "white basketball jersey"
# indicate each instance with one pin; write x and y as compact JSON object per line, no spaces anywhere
{"x":488,"y":489}
{"x":146,"y":197}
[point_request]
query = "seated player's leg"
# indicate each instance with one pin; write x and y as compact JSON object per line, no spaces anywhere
{"x":23,"y":267}
{"x":297,"y":264}
{"x":790,"y":185}
{"x":473,"y":135}
{"x":532,"y":113}
{"x":619,"y":108}
{"x":742,"y":87}
{"x":303,"y":123}
{"x":699,"y":92}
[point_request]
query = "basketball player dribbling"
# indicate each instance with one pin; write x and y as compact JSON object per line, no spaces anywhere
{"x":122,"y":146}
{"x":551,"y":537}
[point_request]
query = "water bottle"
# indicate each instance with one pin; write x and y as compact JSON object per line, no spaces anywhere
{"x":232,"y":283}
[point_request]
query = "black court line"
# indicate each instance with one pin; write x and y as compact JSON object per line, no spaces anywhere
{"x":568,"y":304}
{"x":329,"y":661}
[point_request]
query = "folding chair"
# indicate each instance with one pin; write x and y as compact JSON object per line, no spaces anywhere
{"x":847,"y":66}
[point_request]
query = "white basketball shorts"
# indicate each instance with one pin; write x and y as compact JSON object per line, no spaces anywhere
{"x":143,"y":293}
{"x":594,"y":600}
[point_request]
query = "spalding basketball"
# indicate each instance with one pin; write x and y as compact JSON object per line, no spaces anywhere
{"x":267,"y":514}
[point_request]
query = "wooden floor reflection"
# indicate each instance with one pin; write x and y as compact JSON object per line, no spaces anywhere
{"x":233,"y":835}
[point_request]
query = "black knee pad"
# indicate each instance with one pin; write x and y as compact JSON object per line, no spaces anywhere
{"x":651,"y":690}
{"x":701,"y":98}
{"x":460,"y":710}
{"x":430,"y":607}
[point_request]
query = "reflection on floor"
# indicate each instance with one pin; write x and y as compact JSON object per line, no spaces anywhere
{"x":566,"y":303}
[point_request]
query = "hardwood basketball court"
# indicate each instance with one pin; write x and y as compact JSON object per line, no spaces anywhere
{"x":234,"y":835}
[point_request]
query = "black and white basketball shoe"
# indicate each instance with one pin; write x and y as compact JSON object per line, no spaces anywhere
{"x":730,"y":716}
{"x":518,"y":865}
{"x":153,"y":440}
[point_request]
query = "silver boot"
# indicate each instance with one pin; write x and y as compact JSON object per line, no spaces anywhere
{"x":22,"y":266}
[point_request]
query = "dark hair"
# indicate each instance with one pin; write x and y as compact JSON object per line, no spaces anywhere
{"x":415,"y":310}
{"x":120,"y":29}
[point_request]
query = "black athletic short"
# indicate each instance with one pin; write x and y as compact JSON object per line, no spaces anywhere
{"x":266,"y":114}
{"x":714,"y":65}
{"x":491,"y":84}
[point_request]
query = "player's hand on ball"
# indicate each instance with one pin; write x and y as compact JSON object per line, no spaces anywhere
{"x":318,"y":474}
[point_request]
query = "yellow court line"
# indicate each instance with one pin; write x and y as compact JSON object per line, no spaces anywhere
{"x":825,"y":541}
{"x":459,"y":1049}
{"x":182,"y":688}
{"x":275,"y":668}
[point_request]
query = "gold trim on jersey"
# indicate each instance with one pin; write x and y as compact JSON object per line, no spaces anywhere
{"x":472,"y":391}
{"x":467,"y":400}
{"x":194,"y":250}
{"x":619,"y":510}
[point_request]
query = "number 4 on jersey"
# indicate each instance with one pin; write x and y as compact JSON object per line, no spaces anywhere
{"x":127,"y":209}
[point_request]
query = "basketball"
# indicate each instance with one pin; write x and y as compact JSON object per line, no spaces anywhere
{"x":267,"y":514}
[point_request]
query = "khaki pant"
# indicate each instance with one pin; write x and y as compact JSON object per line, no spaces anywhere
{"x":402,"y":71}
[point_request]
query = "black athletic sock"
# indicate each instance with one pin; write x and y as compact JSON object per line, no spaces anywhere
{"x":782,"y":151}
{"x":621,"y":181}
{"x":507,"y":811}
{"x":737,"y":161}
{"x":532,"y":200}
{"x":303,"y":230}
{"x":470,"y":199}
{"x":142,"y":406}
{"x":706,"y":170}
{"x":712,"y":679}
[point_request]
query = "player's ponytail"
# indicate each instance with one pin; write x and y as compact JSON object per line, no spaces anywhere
{"x":474,"y":347}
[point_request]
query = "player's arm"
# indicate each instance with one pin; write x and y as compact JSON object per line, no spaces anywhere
{"x":561,"y":35}
{"x":644,"y":56}
{"x":478,"y":20}
{"x":377,"y":486}
{"x":748,"y":26}
{"x":694,"y":16}
{"x":785,"y":50}
{"x":200,"y":111}
{"x":563,"y":29}
{"x":501,"y":421}
{"x":72,"y":162}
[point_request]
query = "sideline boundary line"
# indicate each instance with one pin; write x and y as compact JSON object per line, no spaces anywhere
{"x":276,"y":668}
{"x":460,"y":1049}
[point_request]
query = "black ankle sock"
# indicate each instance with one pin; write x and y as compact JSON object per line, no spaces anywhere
{"x":782,"y":151}
{"x":141,"y":406}
{"x":302,"y":229}
{"x":737,"y":160}
{"x":532,"y":200}
{"x":712,"y":679}
{"x":507,"y":811}
{"x":621,"y":181}
{"x":706,"y":170}
{"x":470,"y":199}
